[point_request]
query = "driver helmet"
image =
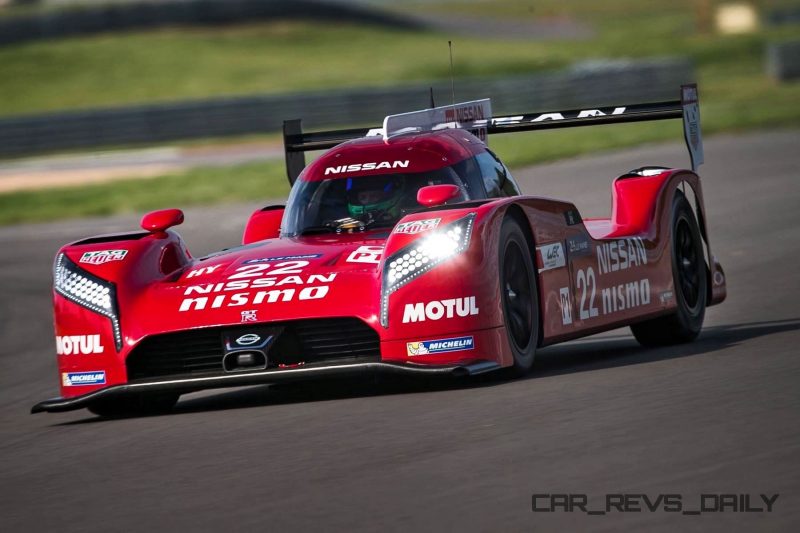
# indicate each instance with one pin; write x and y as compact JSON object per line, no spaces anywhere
{"x":377,"y":197}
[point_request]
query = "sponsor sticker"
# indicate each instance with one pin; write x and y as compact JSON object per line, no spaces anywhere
{"x":366,"y":254}
{"x":625,"y":296}
{"x":78,"y":344}
{"x":621,"y":254}
{"x":217,"y":295}
{"x":258,"y":339}
{"x":691,"y":124}
{"x":455,"y":344}
{"x":439,"y":309}
{"x":250,"y":315}
{"x":362,"y":167}
{"x":578,"y":246}
{"x":552,"y":256}
{"x":417,"y":226}
{"x":566,"y":306}
{"x":473,"y":116}
{"x":103,"y":256}
{"x":248,"y":339}
{"x":573,"y":217}
{"x":76,"y":379}
{"x":666,"y":296}
{"x":280,"y":258}
{"x":202,"y":271}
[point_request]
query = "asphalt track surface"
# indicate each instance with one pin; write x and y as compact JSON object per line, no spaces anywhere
{"x":598,"y":416}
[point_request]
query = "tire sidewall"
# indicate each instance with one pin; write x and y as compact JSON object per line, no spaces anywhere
{"x":691,"y":319}
{"x":511,"y":234}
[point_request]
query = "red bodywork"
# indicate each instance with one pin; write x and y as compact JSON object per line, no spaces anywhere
{"x":610,"y":272}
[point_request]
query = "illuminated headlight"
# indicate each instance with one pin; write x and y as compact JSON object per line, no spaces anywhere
{"x":86,"y":290}
{"x":422,"y":255}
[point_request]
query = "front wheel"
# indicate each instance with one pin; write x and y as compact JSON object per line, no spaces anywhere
{"x":689,"y":281}
{"x":519,"y":296}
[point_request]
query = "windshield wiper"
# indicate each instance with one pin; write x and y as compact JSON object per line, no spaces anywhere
{"x":317,"y":229}
{"x":374,"y":224}
{"x":327,"y":228}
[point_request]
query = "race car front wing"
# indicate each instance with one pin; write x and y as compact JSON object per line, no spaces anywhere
{"x":190,"y":384}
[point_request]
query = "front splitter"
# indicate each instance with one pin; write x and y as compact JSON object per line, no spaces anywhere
{"x":56,"y":405}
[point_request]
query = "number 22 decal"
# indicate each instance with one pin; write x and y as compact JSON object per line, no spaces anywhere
{"x":287,"y":267}
{"x":585,"y":282}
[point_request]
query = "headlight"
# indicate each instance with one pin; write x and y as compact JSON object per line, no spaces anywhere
{"x":421,"y":256}
{"x":87,"y":290}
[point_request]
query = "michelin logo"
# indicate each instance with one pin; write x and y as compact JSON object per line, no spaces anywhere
{"x":73,"y":379}
{"x":456,"y":344}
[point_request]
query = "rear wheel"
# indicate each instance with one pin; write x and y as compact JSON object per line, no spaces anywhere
{"x":689,"y":281}
{"x":135,"y":405}
{"x":519,"y":296}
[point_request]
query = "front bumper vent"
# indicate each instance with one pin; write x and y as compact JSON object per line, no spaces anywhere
{"x":201,"y":351}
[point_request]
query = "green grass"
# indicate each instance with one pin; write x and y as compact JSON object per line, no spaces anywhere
{"x":201,"y":186}
{"x":174,"y":64}
{"x":188,"y":63}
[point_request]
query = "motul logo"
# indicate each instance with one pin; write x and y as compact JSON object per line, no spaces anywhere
{"x":358,"y":167}
{"x":78,"y":344}
{"x":436,"y":310}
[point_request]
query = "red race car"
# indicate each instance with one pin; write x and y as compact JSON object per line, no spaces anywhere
{"x":407,"y":248}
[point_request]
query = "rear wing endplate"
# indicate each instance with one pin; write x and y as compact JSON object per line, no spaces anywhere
{"x":296,"y":142}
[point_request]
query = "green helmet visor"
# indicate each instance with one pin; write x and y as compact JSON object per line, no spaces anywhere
{"x":375,"y":200}
{"x":356,"y":210}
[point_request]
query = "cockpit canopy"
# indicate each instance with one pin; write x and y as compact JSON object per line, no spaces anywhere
{"x":353,"y":197}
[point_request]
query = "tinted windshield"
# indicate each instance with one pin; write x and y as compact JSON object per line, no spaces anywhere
{"x":348,"y":204}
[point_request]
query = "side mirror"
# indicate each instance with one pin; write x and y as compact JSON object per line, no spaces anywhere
{"x":433,"y":195}
{"x":264,"y":224}
{"x":160,"y":221}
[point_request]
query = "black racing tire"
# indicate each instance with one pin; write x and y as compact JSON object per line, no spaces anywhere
{"x":519,"y":296}
{"x":689,"y":281}
{"x":135,"y":405}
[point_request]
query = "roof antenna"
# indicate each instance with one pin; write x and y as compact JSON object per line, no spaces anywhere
{"x":433,"y":105}
{"x":452,"y":82}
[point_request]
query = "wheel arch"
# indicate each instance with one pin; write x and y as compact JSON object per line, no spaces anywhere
{"x":671,"y":181}
{"x":516,"y":212}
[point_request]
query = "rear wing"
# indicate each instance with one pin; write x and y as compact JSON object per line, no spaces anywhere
{"x":296,"y":142}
